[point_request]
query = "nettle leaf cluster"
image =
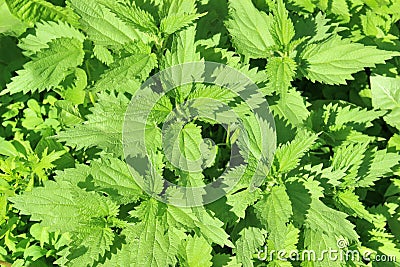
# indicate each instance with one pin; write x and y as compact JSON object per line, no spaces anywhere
{"x":329,"y":70}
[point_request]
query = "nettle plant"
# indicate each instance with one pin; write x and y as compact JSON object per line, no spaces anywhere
{"x":334,"y":176}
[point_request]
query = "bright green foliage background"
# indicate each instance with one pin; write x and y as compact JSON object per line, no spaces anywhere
{"x":329,"y":69}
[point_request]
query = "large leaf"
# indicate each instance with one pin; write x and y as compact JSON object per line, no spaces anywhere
{"x":103,"y":127}
{"x":333,"y":60}
{"x":275,"y":210}
{"x":103,"y":27}
{"x":249,"y":29}
{"x":32,"y":11}
{"x":46,"y":32}
{"x":386,"y":96}
{"x":49,"y":67}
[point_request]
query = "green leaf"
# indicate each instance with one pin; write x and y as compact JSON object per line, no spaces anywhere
{"x":49,"y":67}
{"x":280,"y":72}
{"x":132,"y":15}
{"x":385,"y":92}
{"x":7,"y":148}
{"x":103,"y":27}
{"x":385,"y":244}
{"x":68,"y":114}
{"x":94,"y":240}
{"x":349,"y":156}
{"x":394,"y":188}
{"x":394,"y":143}
{"x":250,"y":241}
{"x":108,"y":175}
{"x":317,"y":242}
{"x":386,"y":96}
{"x":353,"y":116}
{"x":382,"y":165}
{"x":306,"y":5}
{"x":352,"y":205}
{"x":10,"y":25}
{"x":68,"y":197}
{"x":241,"y":200}
{"x":58,"y":205}
{"x":177,"y":22}
{"x":103,"y":127}
{"x":45,"y":32}
{"x":208,"y":225}
{"x":184,"y":146}
{"x":292,"y":107}
{"x":393,"y":118}
{"x":310,"y":211}
{"x":178,"y":7}
{"x":183,"y":49}
{"x":197,"y":252}
{"x":333,"y":60}
{"x":75,"y":92}
{"x":46,"y":145}
{"x":220,"y":260}
{"x":376,"y":25}
{"x":282,"y":28}
{"x":34,"y":252}
{"x":32,"y":11}
{"x":275,"y":210}
{"x":103,"y":54}
{"x":363,"y":167}
{"x":287,"y":157}
{"x":290,"y":237}
{"x":249,"y":29}
{"x":126,"y":74}
{"x":151,"y":246}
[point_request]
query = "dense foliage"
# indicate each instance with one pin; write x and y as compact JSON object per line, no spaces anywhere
{"x":329,"y":70}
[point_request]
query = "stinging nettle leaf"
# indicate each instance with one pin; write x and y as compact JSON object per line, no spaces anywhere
{"x":58,"y":205}
{"x":333,"y":177}
{"x":287,"y":157}
{"x":249,"y":29}
{"x":282,"y":28}
{"x":126,"y":74}
{"x":292,"y":107}
{"x":183,"y":49}
{"x":334,"y":60}
{"x":133,"y":15}
{"x":49,"y":67}
{"x":275,"y":210}
{"x":103,"y":128}
{"x":280,"y":72}
{"x":311,"y":212}
{"x":183,"y":146}
{"x":103,"y":54}
{"x":251,"y":239}
{"x":34,"y":11}
{"x":386,"y":96}
{"x":177,"y":22}
{"x":46,"y":32}
{"x":352,"y":205}
{"x":197,"y":252}
{"x":103,"y":27}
